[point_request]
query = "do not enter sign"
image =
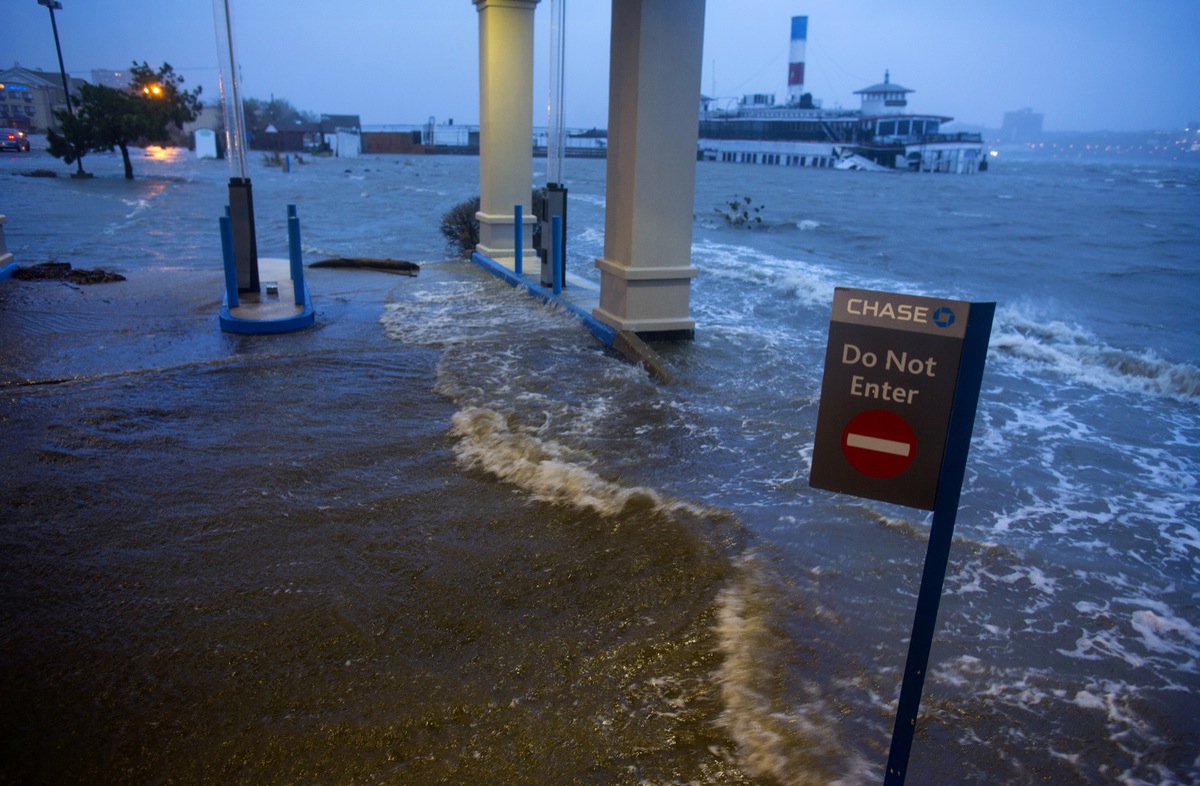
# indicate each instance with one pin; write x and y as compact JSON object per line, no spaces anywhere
{"x":902,"y":379}
{"x":891,"y":381}
{"x":879,"y":444}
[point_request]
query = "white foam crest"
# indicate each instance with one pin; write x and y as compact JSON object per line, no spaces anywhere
{"x":809,"y":282}
{"x":1117,"y":702}
{"x":547,"y":469}
{"x":1052,"y":517}
{"x":593,"y":235}
{"x":1148,"y":637}
{"x":138,"y":205}
{"x":529,"y":438}
{"x":973,"y":577}
{"x":436,"y":317}
{"x":589,"y":199}
{"x":1076,"y":353}
{"x":1182,"y":536}
{"x":731,"y":327}
{"x":1161,"y":629}
{"x":1095,"y":707}
{"x":1167,"y":469}
{"x":796,"y":742}
{"x":1036,"y":427}
{"x":1165,"y":634}
{"x":1101,"y":510}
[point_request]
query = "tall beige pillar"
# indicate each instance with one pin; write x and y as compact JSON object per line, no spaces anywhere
{"x":505,"y":124}
{"x":653,"y":122}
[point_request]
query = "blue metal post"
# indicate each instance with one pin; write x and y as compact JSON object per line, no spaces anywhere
{"x":518,"y":227}
{"x":231,"y":285}
{"x":294,"y":255}
{"x":937,"y":553}
{"x":556,"y":253}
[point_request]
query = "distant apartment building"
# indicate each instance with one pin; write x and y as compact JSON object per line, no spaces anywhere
{"x":1021,"y":126}
{"x":29,"y":97}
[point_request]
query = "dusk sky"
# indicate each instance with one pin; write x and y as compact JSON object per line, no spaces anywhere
{"x":1084,"y":64}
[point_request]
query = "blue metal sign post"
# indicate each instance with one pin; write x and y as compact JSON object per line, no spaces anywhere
{"x":898,"y":400}
{"x":937,"y":554}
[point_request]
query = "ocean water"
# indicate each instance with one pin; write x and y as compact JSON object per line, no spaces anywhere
{"x":445,"y":537}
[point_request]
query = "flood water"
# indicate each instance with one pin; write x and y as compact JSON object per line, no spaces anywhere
{"x":445,"y":537}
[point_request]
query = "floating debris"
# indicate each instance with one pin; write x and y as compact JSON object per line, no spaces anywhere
{"x":62,"y":271}
{"x":398,"y":266}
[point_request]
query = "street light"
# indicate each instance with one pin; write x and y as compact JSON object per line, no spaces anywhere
{"x":52,"y":5}
{"x":241,"y":199}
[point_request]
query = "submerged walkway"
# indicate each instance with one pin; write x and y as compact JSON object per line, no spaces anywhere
{"x":579,"y":297}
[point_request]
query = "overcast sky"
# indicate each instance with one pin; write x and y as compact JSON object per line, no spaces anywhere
{"x":1085,"y":64}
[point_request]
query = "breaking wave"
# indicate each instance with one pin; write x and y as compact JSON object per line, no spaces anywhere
{"x":811,"y":283}
{"x":795,"y":741}
{"x":1081,"y":356}
{"x":520,"y":417}
{"x":547,"y":469}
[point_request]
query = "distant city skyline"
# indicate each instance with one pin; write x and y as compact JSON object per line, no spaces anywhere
{"x":1084,"y":66}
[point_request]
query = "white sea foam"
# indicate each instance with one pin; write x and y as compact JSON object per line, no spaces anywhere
{"x":1089,"y":701}
{"x":593,"y":236}
{"x":436,"y":317}
{"x":1093,"y":708}
{"x":809,"y":282}
{"x":591,"y":199}
{"x":138,"y":205}
{"x":791,"y":739}
{"x":1078,"y":354}
{"x":1165,"y":633}
{"x":509,"y":424}
{"x":1152,"y":633}
{"x":547,"y":469}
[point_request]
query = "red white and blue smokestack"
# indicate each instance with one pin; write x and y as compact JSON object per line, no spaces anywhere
{"x":796,"y":60}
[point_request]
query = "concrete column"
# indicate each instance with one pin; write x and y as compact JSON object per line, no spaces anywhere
{"x":653,"y":124}
{"x":505,"y":124}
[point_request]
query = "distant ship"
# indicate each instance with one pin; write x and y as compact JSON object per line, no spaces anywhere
{"x":881,"y":134}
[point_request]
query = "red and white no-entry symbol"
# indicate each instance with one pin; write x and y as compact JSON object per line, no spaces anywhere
{"x":879,"y":443}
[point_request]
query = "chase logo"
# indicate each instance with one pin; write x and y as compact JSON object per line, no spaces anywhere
{"x":943,"y":317}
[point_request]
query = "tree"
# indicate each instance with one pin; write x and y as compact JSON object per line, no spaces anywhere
{"x":166,"y":102}
{"x":108,"y":118}
{"x":72,"y":144}
{"x":278,"y":112}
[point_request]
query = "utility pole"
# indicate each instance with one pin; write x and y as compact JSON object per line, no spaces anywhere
{"x":52,"y":5}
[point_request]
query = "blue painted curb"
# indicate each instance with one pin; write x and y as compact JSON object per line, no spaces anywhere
{"x":605,"y":333}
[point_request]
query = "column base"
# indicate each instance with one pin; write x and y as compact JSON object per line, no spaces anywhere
{"x":649,"y":301}
{"x":496,"y":239}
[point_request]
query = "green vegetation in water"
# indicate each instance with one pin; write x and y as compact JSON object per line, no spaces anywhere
{"x":741,"y":213}
{"x":461,"y":229}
